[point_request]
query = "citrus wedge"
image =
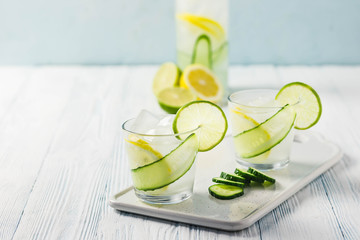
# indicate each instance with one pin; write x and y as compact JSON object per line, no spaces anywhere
{"x":304,"y":100}
{"x":205,"y":115}
{"x":173,"y":98}
{"x":167,"y":76}
{"x":202,"y":82}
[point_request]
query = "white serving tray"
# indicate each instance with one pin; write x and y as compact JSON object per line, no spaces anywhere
{"x":311,"y":156}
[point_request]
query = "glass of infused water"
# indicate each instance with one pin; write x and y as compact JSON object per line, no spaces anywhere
{"x":161,"y":162}
{"x":262,"y":128}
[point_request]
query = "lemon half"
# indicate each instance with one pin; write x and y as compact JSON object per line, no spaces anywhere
{"x":202,"y":82}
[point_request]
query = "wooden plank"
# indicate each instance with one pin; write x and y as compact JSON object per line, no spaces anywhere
{"x":26,"y":132}
{"x":69,"y":195}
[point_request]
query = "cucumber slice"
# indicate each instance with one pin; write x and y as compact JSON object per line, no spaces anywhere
{"x":233,"y":177}
{"x":167,"y":169}
{"x":262,"y":138}
{"x":223,"y":191}
{"x":261,"y":175}
{"x":202,"y":53}
{"x":228,"y":182}
{"x":248,"y":175}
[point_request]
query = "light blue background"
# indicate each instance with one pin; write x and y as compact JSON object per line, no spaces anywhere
{"x":142,"y":31}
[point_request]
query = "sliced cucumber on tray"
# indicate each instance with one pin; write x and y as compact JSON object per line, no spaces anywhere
{"x":261,"y":175}
{"x":233,"y":177}
{"x":230,"y":186}
{"x":228,"y":182}
{"x":248,"y":175}
{"x":223,"y":191}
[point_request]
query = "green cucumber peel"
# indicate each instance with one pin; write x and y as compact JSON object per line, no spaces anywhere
{"x":202,"y":53}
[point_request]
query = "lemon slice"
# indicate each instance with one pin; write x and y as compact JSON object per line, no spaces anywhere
{"x":205,"y":115}
{"x":242,"y":122}
{"x":305,"y":101}
{"x":265,"y":136}
{"x":173,"y":98}
{"x":202,"y":82}
{"x":167,"y":76}
{"x":206,"y":24}
{"x":140,"y":152}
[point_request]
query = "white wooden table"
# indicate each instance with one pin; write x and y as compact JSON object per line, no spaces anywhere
{"x":61,"y":155}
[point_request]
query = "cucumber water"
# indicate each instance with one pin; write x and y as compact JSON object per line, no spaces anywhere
{"x":265,"y":136}
{"x":167,"y":169}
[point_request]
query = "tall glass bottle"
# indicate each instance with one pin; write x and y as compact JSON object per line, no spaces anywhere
{"x":202,"y":35}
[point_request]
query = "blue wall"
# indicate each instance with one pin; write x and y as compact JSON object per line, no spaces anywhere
{"x":142,"y":31}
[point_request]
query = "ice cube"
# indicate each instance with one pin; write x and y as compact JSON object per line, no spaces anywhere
{"x":163,"y":126}
{"x":145,"y":121}
{"x":264,"y":102}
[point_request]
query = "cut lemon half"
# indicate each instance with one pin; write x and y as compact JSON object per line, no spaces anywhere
{"x":140,"y":152}
{"x":167,"y":76}
{"x":173,"y":98}
{"x":208,"y":25}
{"x":304,"y":100}
{"x":202,"y":82}
{"x":207,"y":117}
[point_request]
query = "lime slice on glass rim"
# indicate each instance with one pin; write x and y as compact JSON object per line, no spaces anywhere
{"x":167,"y":76}
{"x":173,"y":98}
{"x":205,"y":115}
{"x":305,"y":101}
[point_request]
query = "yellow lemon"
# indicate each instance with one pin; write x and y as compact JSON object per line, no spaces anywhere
{"x":140,"y":152}
{"x":202,"y":82}
{"x":206,"y":24}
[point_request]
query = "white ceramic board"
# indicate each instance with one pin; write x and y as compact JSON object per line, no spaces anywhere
{"x":311,"y":156}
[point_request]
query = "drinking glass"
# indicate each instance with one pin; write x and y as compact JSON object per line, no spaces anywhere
{"x":202,"y":35}
{"x":161,"y":163}
{"x":262,"y":129}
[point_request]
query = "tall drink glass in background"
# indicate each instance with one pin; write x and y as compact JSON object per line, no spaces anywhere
{"x":202,"y":35}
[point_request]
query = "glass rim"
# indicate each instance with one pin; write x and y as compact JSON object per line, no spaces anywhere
{"x":155,"y":135}
{"x":249,"y":106}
